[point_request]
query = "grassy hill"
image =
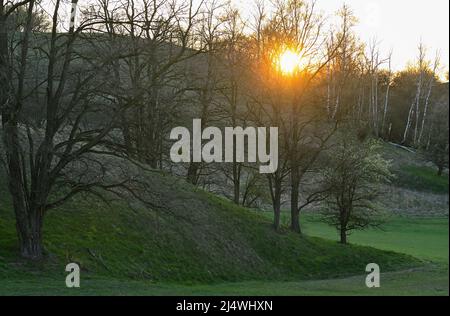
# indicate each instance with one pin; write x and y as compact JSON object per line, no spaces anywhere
{"x":199,"y":243}
{"x":199,"y":238}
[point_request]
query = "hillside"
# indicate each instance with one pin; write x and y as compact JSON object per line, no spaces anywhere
{"x":196,"y":238}
{"x":416,"y":190}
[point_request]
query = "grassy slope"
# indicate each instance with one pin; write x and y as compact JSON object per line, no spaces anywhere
{"x":205,"y":239}
{"x":414,"y":238}
{"x":412,"y":173}
{"x":208,"y":242}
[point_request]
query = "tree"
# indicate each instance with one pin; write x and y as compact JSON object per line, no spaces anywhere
{"x":155,"y":38}
{"x":39,"y":160}
{"x":386,"y":96}
{"x":69,"y":150}
{"x":233,"y":58}
{"x":17,"y":20}
{"x":415,"y":105}
{"x":431,"y":82}
{"x":352,"y":178}
{"x":289,"y":101}
{"x":206,"y":75}
{"x":437,"y":149}
{"x":296,"y":25}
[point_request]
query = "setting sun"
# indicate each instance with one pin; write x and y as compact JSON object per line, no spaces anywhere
{"x":289,"y":62}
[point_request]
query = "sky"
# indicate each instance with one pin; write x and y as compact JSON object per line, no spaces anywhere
{"x":396,"y":24}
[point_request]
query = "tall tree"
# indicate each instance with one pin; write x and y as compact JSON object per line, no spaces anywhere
{"x":415,"y":105}
{"x":71,"y":150}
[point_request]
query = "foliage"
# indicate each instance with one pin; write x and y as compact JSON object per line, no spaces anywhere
{"x":352,"y":178}
{"x":437,"y":150}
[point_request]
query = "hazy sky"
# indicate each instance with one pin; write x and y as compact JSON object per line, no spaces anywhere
{"x":397,"y":24}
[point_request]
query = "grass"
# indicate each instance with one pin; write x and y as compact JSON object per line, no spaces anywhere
{"x":425,"y":238}
{"x":430,"y":238}
{"x":422,"y":178}
{"x":199,"y":238}
{"x":217,"y":242}
{"x":201,"y":244}
{"x":117,"y":243}
{"x":428,"y":280}
{"x":412,"y":172}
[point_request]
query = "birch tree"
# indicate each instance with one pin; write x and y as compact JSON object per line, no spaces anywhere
{"x":415,"y":105}
{"x":431,"y":83}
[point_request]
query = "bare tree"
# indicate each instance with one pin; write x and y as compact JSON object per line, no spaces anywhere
{"x":65,"y":153}
{"x":285,"y":100}
{"x":386,"y":97}
{"x":430,"y":85}
{"x":298,"y":23}
{"x":206,"y":78}
{"x":157,"y":38}
{"x":233,"y":59}
{"x":415,"y":106}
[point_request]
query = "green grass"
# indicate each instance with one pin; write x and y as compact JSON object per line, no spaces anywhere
{"x":199,"y":238}
{"x":204,"y":245}
{"x":422,"y":178}
{"x":425,"y":238}
{"x":413,"y":173}
{"x":428,"y":280}
{"x":431,"y":279}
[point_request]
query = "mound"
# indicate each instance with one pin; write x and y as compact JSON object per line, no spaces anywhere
{"x":195,"y":238}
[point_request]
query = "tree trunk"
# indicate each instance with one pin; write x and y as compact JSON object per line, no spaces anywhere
{"x":236,"y":183}
{"x":408,"y":123}
{"x":30,"y":236}
{"x":386,"y":105}
{"x":425,"y":109}
{"x":440,"y":170}
{"x":126,"y":134}
{"x":343,"y":236}
{"x":295,"y":182}
{"x":276,"y":215}
{"x":414,"y":109}
{"x":192,"y":174}
{"x":275,"y":187}
{"x":28,"y":220}
{"x":29,"y":227}
{"x":386,"y":99}
{"x":295,"y":221}
{"x":236,"y":194}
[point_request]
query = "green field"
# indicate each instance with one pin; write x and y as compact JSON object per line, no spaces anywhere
{"x":428,"y":280}
{"x":425,"y":238}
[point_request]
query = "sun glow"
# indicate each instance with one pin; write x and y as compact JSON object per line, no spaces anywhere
{"x":289,"y":62}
